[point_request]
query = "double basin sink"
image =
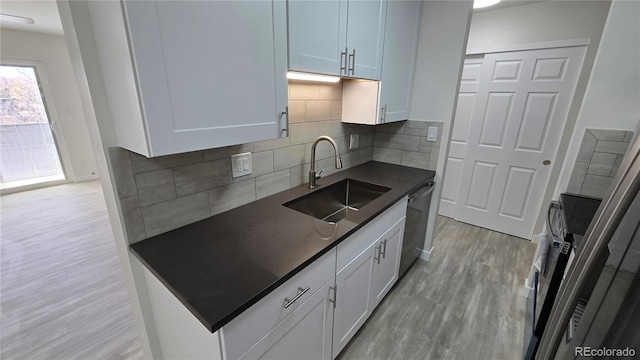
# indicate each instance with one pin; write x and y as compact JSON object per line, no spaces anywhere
{"x":334,"y":202}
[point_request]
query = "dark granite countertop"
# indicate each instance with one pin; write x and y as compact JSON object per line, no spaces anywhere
{"x":220,"y":266}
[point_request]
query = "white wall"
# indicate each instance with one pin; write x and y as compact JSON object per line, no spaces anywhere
{"x":444,"y":27}
{"x":541,"y":24}
{"x":612,"y":98}
{"x":52,"y":53}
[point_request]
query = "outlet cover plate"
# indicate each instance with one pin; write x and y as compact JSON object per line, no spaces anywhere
{"x":432,"y":133}
{"x":241,"y":164}
{"x":353,"y":143}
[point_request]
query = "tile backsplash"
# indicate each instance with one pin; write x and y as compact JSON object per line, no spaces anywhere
{"x":598,"y":161}
{"x":161,"y":194}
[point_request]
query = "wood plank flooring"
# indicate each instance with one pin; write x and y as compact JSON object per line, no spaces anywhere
{"x":62,"y":292}
{"x":466,"y":303}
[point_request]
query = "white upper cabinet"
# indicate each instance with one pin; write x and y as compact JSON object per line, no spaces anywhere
{"x":205,"y":74}
{"x":390,"y":99}
{"x":399,"y":59}
{"x":343,"y":38}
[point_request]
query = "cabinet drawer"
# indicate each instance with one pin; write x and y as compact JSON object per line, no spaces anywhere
{"x":248,"y":328}
{"x":367,"y":235}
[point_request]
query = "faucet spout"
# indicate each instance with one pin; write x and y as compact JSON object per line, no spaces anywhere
{"x":312,"y":173}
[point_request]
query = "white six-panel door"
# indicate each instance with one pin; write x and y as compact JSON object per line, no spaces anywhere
{"x":511,"y":113}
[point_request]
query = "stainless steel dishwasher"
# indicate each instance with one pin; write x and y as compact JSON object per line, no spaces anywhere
{"x":415,"y":228}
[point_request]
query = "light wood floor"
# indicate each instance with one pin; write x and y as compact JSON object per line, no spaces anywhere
{"x":466,"y":303}
{"x":62,"y":292}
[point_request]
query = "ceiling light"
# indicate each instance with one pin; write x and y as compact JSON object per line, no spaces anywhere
{"x":16,"y":19}
{"x":311,"y":77}
{"x":477,"y":4}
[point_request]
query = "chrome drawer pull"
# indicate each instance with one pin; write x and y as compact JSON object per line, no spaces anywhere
{"x":383,"y":251}
{"x":379,"y":253}
{"x":301,"y":292}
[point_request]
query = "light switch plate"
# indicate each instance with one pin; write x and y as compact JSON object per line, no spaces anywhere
{"x":432,"y":134}
{"x":241,"y":164}
{"x":354,"y":141}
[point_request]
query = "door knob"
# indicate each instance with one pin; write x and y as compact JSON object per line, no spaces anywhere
{"x":546,"y":162}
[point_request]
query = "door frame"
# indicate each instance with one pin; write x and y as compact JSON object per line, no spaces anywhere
{"x":54,"y":123}
{"x":554,"y":176}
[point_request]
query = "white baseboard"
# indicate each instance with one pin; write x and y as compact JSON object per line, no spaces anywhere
{"x":426,"y":255}
{"x":527,"y":290}
{"x":535,"y":239}
{"x":85,"y":178}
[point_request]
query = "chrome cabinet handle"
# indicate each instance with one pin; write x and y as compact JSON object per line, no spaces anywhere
{"x":285,"y":130}
{"x":335,"y":294}
{"x":352,"y":62}
{"x":382,"y":115}
{"x":301,"y":292}
{"x":343,"y":60}
{"x":385,"y":113}
{"x":377,"y":250}
{"x":383,"y":251}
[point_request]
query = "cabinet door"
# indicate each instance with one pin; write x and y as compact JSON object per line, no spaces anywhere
{"x":400,"y":47}
{"x":305,"y":334}
{"x":317,"y":35}
{"x":352,"y":301}
{"x":365,"y":35}
{"x":387,"y":263}
{"x":198,"y":65}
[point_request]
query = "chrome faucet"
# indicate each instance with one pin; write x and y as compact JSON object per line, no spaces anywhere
{"x":312,"y":173}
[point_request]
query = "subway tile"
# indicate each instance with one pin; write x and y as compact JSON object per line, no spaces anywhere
{"x":122,"y":172}
{"x":613,"y":147}
{"x":343,"y":144}
{"x":415,"y":159}
{"x":273,"y":183}
{"x":628,"y":136}
{"x":381,"y":139}
{"x":300,"y":174}
{"x":297,"y":111}
{"x":608,"y":135}
{"x":304,"y":91}
{"x":336,"y":110}
{"x":288,"y":157}
{"x":433,"y":159}
{"x":330,"y":91}
{"x":404,"y":142}
{"x":577,"y":177}
{"x":426,"y":146}
{"x":232,"y":196}
{"x":155,"y":186}
{"x":271,"y":144}
{"x":392,"y":128}
{"x":595,"y":185}
{"x":350,"y":129}
{"x":600,"y":169}
{"x":616,"y":165}
{"x":416,"y":128}
{"x":143,"y":164}
{"x":387,"y":155}
{"x":366,"y":140}
{"x":303,"y":133}
{"x":365,"y":155}
{"x":132,"y":216}
{"x":169,"y":215}
{"x":330,"y":128}
{"x":587,"y":146}
{"x":318,"y":111}
{"x":603,"y":158}
{"x":348,"y":161}
{"x":227,"y":151}
{"x":203,"y":176}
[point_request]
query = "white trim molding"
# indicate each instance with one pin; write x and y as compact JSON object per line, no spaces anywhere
{"x":89,"y":177}
{"x":530,"y":46}
{"x":426,"y":255}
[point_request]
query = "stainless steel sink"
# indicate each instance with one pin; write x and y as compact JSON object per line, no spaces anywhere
{"x":334,"y":202}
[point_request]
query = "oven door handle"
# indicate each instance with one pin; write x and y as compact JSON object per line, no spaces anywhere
{"x":553,"y":205}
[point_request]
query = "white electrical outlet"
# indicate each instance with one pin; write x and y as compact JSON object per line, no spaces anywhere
{"x":353,"y":143}
{"x":432,"y":133}
{"x":241,"y":164}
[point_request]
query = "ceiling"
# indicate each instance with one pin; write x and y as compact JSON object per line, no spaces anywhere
{"x":43,"y":12}
{"x":47,"y":19}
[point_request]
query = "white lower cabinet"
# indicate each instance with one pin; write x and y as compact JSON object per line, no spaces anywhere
{"x":386,"y":263}
{"x":304,"y":334}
